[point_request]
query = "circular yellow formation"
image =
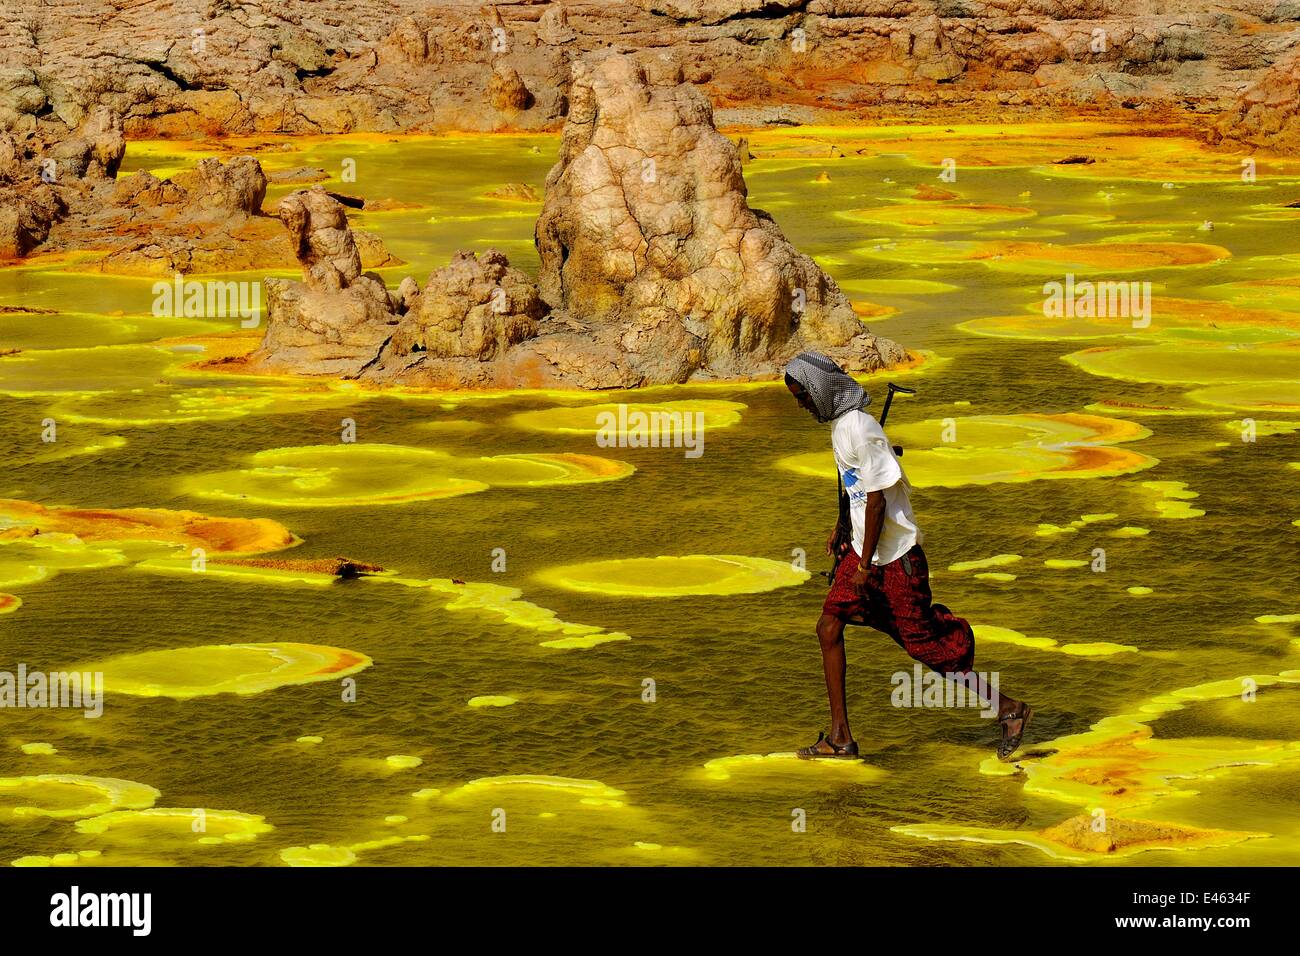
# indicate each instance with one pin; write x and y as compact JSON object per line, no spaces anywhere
{"x":984,"y":449}
{"x":782,"y":768}
{"x":197,"y":825}
{"x":1120,"y":314}
{"x":107,"y":368}
{"x":163,"y":405}
{"x":27,"y":560}
{"x":651,"y":422}
{"x":1093,"y":258}
{"x":691,"y":575}
{"x":927,"y":215}
{"x":318,"y":854}
{"x":344,"y":475}
{"x":1049,"y":259}
{"x":66,"y":796}
{"x":1193,"y":364}
{"x":896,"y":287}
{"x":224,"y":669}
{"x":996,"y":561}
{"x":76,"y":538}
{"x":542,"y":789}
{"x":1280,"y":396}
{"x":57,"y":859}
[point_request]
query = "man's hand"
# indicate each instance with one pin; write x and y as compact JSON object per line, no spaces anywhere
{"x":860,"y":576}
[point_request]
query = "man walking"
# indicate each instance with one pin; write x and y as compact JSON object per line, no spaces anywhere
{"x":882,"y":580}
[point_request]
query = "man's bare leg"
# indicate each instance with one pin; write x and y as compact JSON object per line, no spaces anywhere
{"x":830,"y":634}
{"x":1006,"y":705}
{"x":1013,"y":714}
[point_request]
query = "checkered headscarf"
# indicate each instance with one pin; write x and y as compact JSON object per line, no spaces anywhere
{"x":833,"y":392}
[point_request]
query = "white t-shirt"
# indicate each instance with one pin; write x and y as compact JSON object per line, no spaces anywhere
{"x":867,"y":463}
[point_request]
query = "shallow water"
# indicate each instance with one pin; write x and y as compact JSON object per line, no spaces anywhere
{"x":734,"y":673}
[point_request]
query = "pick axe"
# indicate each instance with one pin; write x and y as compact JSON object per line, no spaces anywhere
{"x":889,"y":400}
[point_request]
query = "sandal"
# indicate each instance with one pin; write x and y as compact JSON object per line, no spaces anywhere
{"x":1010,"y":742}
{"x":847,"y":751}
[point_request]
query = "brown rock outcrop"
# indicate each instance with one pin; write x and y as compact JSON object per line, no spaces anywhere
{"x":506,"y":90}
{"x":320,"y":237}
{"x":62,"y":197}
{"x":476,"y":307}
{"x":95,"y":151}
{"x":40,"y":181}
{"x":26,"y":214}
{"x":1268,"y":112}
{"x":217,"y":188}
{"x":337,"y":319}
{"x":342,"y":65}
{"x":645,"y":222}
{"x":654,"y":270}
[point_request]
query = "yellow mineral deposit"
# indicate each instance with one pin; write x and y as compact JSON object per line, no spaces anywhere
{"x":350,"y":475}
{"x":71,"y":796}
{"x":491,"y":700}
{"x":1079,"y":840}
{"x":664,"y":576}
{"x":176,"y":825}
{"x":156,"y":412}
{"x":897,"y":287}
{"x":1278,"y":618}
{"x":27,"y":522}
{"x":1268,"y":397}
{"x":1169,"y":318}
{"x":171,"y":405}
{"x":652,"y":424}
{"x":538,"y":790}
{"x":187,"y":672}
{"x":403,"y":761}
{"x":985,"y":449}
{"x":1004,"y":635}
{"x":923,"y":215}
{"x":784,"y":768}
{"x":80,"y":858}
{"x":1119,"y":764}
{"x":324,"y":855}
{"x":506,"y":605}
{"x":1188,"y":363}
{"x":1171,"y":497}
{"x":996,"y":561}
{"x":27,"y":558}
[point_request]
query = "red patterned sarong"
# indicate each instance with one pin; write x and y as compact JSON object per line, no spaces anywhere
{"x":899,"y":604}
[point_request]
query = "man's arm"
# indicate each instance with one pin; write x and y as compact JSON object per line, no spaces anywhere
{"x":841,"y":538}
{"x":875,"y":521}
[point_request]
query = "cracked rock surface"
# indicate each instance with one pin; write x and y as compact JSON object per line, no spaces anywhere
{"x":654,"y":270}
{"x":205,"y":67}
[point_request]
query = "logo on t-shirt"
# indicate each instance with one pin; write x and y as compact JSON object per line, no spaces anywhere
{"x":851,"y":481}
